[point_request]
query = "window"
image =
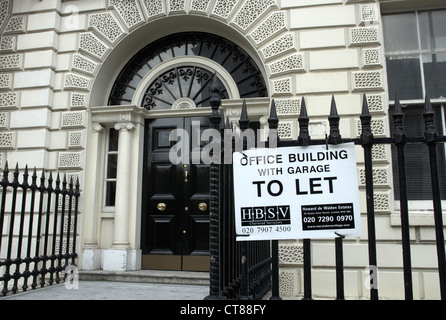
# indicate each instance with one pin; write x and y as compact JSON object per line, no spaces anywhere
{"x":111,"y":168}
{"x":241,"y":67}
{"x":415,"y":45}
{"x":415,"y":48}
{"x":417,"y":157}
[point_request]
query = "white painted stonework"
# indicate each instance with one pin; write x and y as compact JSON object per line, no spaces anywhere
{"x":121,"y":260}
{"x":59,"y":59}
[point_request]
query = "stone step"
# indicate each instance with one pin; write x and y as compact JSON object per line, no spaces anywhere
{"x":147,"y":276}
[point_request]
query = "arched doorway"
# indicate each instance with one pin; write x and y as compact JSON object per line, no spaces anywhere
{"x":175,"y":73}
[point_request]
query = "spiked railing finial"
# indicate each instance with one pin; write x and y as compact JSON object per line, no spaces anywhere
{"x":398,"y":133}
{"x":244,"y":121}
{"x":333,"y":119}
{"x":304,"y":137}
{"x":215,"y":103}
{"x":430,"y":132}
{"x":366,"y":121}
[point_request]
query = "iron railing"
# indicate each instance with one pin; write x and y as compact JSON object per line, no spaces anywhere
{"x":42,"y":243}
{"x":233,"y":277}
{"x":238,"y":270}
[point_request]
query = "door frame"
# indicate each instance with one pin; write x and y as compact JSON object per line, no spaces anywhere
{"x":105,"y":117}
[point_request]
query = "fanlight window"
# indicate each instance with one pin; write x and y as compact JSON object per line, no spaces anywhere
{"x":187,"y":81}
{"x":172,"y":87}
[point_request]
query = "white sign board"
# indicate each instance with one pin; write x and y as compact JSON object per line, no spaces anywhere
{"x":296,"y":193}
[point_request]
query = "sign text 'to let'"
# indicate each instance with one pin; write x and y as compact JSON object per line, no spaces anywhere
{"x":296,"y":192}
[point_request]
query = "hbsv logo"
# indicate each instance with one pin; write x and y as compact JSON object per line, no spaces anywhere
{"x":265,"y":215}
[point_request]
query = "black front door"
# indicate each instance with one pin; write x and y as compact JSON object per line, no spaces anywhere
{"x":175,"y":204}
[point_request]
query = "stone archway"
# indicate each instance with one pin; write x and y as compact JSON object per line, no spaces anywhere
{"x":114,"y":47}
{"x":117,"y":57}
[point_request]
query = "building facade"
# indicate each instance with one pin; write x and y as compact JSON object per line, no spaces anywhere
{"x":93,"y":89}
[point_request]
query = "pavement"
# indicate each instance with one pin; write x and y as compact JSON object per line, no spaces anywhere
{"x":126,"y":285}
{"x":111,"y":290}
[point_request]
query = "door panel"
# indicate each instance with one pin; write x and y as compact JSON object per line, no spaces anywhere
{"x":197,"y":192}
{"x":162,"y":231}
{"x":163,"y":176}
{"x":161,"y":190}
{"x":200,"y":241}
{"x":175,"y":217}
{"x":200,"y":185}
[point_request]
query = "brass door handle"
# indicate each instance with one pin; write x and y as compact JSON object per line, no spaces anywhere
{"x":185,"y":176}
{"x":202,"y":206}
{"x":161,"y":206}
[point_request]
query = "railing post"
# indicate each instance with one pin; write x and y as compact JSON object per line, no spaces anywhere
{"x":400,"y":138}
{"x":28,"y":259}
{"x":76,"y":209}
{"x":70,"y":194}
{"x":226,"y":221}
{"x":8,"y":262}
{"x":18,"y":261}
{"x":273,"y":123}
{"x":60,"y":256}
{"x":214,"y":203}
{"x":45,"y":257}
{"x":339,"y":268}
{"x":54,"y":255}
{"x":307,"y":269}
{"x":431,"y":136}
{"x":367,"y":144}
{"x":304,"y":140}
{"x":335,"y":138}
{"x":4,"y":183}
{"x":36,"y":272}
{"x":244,"y":290}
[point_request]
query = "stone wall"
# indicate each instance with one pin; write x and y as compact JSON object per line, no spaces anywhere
{"x":59,"y":58}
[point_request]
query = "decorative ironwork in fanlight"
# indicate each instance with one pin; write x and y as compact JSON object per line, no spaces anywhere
{"x":188,"y":81}
{"x":181,"y":88}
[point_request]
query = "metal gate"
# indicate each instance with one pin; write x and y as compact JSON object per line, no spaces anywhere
{"x":248,"y":270}
{"x":38,"y":220}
